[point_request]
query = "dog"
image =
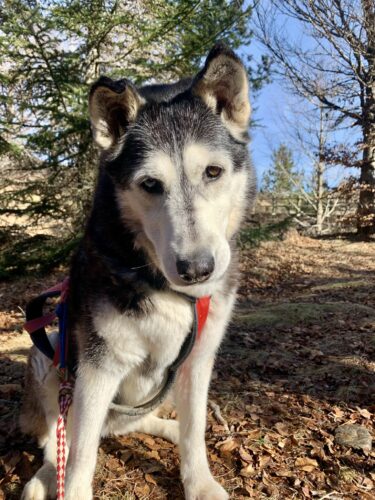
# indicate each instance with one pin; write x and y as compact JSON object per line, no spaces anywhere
{"x":174,"y":181}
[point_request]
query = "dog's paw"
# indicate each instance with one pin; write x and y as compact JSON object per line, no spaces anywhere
{"x":207,"y":490}
{"x":171,"y":431}
{"x":42,"y":485}
{"x":35,"y":489}
{"x":75,"y":491}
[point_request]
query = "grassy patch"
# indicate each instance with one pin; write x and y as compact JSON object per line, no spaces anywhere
{"x":290,"y":314}
{"x":339,"y":285}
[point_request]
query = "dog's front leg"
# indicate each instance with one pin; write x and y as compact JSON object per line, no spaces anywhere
{"x":94,"y":391}
{"x":191,"y":398}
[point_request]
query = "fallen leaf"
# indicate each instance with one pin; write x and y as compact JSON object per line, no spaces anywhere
{"x":282,"y":428}
{"x":150,"y":479}
{"x":214,"y":458}
{"x":150,"y":442}
{"x":367,"y":483}
{"x":306,"y":491}
{"x":150,"y":468}
{"x":153,"y":454}
{"x":254,"y":434}
{"x":142,"y":490}
{"x":11,"y":459}
{"x":364,"y":413}
{"x":126,"y":456}
{"x":227,"y":446}
{"x":248,"y":471}
{"x":306,"y":464}
{"x":338,"y":412}
{"x":218,"y":429}
{"x":264,"y":461}
{"x":284,"y":472}
{"x":281,"y":444}
{"x":245,"y":455}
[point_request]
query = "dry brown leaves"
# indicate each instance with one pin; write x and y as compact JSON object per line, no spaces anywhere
{"x":283,"y":390}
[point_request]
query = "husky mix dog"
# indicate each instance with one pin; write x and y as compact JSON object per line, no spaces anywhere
{"x":174,"y":179}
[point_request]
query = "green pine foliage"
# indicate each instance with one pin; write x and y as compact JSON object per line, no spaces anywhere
{"x":281,"y":178}
{"x":282,"y":183}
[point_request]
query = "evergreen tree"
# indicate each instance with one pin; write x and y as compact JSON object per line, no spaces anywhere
{"x":281,"y":178}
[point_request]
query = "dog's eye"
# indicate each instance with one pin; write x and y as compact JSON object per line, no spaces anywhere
{"x":213,"y":172}
{"x":152,"y":186}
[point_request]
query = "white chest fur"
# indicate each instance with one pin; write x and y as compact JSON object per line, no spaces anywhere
{"x":141,"y":348}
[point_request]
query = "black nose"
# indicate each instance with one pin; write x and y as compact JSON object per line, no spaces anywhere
{"x":196,"y":269}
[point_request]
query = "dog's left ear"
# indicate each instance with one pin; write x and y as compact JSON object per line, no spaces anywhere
{"x":223,"y":86}
{"x":113,"y":105}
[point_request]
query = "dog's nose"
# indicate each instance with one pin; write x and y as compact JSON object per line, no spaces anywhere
{"x":196,"y":269}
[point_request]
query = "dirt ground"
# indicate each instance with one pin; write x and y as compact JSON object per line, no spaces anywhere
{"x":298,"y":362}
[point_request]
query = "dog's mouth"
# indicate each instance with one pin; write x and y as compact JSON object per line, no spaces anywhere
{"x":198,"y":290}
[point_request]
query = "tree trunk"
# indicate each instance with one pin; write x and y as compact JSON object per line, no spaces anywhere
{"x":319,"y":175}
{"x":319,"y":205}
{"x":366,"y":207}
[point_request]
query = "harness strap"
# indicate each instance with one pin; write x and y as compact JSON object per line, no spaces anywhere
{"x":36,"y":321}
{"x":186,"y":348}
{"x":33,"y":325}
{"x":202,"y":308}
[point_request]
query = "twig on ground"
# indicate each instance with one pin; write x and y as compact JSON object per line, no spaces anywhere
{"x":22,"y":310}
{"x":330,"y":495}
{"x":217,"y":414}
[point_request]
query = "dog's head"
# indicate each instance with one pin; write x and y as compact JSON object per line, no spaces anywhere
{"x":180,"y":164}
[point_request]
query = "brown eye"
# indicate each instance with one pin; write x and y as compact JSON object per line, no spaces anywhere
{"x":213,"y":172}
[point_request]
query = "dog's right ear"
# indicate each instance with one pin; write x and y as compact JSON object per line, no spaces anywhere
{"x":113,"y":105}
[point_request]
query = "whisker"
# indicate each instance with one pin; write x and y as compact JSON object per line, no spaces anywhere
{"x":140,"y":267}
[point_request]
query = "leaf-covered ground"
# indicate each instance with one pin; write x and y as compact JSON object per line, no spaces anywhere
{"x":298,"y":362}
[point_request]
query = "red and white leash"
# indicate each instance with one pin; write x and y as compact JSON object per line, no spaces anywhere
{"x":65,"y":400}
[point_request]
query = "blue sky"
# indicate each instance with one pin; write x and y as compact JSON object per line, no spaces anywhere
{"x":275,"y":111}
{"x":266,"y":135}
{"x":269,"y":105}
